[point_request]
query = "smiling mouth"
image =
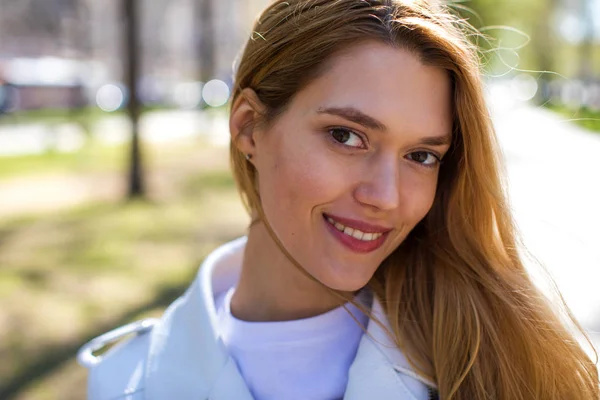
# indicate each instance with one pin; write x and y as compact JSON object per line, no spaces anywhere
{"x":355,"y":233}
{"x":354,"y":239}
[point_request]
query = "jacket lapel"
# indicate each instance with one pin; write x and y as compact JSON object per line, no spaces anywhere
{"x":380,"y":370}
{"x":187,"y":359}
{"x":230,"y":385}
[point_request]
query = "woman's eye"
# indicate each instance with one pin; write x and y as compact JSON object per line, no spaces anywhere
{"x":425,"y":158}
{"x":346,"y":137}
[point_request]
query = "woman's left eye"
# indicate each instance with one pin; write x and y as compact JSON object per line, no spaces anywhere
{"x":425,"y":158}
{"x":346,"y":137}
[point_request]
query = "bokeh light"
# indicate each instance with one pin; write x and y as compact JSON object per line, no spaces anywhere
{"x":110,"y":97}
{"x":215,"y":93}
{"x":188,"y":95}
{"x":524,"y":87}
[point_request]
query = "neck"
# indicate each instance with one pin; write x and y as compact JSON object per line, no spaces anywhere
{"x":271,"y":288}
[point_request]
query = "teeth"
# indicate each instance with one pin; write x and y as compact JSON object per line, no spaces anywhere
{"x":337,"y":225}
{"x":355,"y":233}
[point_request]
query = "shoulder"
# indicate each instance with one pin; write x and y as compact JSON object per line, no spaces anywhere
{"x":119,"y":372}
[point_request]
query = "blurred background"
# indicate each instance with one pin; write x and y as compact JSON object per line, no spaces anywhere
{"x":114,"y":180}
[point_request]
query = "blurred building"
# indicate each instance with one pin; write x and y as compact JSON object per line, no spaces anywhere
{"x":174,"y":35}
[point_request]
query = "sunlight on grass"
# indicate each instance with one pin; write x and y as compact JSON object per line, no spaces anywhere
{"x":69,"y":274}
{"x":92,"y":157}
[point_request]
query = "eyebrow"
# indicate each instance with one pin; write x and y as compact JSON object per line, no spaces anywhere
{"x":444,"y":140}
{"x":354,"y":115}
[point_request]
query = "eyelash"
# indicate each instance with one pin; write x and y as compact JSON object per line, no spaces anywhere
{"x":338,"y":143}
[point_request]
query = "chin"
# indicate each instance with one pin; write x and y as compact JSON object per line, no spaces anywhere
{"x":346,"y":284}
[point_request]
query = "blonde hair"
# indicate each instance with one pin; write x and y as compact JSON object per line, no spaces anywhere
{"x":461,"y":305}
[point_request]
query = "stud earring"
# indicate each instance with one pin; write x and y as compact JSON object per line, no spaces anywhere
{"x":248,"y":157}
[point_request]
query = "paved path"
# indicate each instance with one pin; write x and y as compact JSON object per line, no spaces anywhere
{"x":554,"y":184}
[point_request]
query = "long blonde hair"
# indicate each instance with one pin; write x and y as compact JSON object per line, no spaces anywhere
{"x":461,"y":305}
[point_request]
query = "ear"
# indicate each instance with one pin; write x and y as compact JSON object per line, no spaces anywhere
{"x":245,"y":113}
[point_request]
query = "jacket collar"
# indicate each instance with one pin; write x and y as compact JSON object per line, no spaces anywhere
{"x":187,"y":359}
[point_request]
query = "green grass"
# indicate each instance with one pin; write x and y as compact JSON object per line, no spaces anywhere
{"x":217,"y":180}
{"x":92,"y":157}
{"x":49,"y":116}
{"x":73,"y":274}
{"x":584,"y":117}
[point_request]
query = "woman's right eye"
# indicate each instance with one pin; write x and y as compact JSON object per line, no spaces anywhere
{"x":347,"y":138}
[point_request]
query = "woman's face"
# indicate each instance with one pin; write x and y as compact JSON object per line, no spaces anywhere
{"x":351,"y":166}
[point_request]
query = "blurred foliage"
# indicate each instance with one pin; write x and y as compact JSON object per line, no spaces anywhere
{"x":508,"y":25}
{"x":525,"y":34}
{"x":553,"y":41}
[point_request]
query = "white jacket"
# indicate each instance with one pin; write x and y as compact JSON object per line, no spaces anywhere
{"x":180,"y":356}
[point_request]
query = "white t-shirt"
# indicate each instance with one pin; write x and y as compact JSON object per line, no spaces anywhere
{"x":306,"y":359}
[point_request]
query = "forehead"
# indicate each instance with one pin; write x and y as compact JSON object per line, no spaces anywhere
{"x":389,"y":84}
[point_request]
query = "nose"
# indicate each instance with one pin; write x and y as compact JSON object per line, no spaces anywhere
{"x":380,"y":186}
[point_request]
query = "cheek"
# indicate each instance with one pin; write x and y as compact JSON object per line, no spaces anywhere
{"x":418,"y":194}
{"x":292,"y":181}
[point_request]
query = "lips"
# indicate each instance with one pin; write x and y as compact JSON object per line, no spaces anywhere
{"x":358,"y":236}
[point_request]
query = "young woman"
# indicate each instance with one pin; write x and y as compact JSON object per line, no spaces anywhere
{"x":382,"y":259}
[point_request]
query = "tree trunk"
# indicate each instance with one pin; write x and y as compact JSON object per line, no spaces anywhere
{"x":136,"y":182}
{"x":205,"y":18}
